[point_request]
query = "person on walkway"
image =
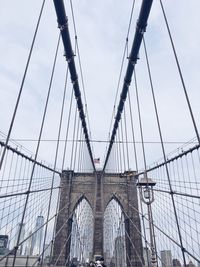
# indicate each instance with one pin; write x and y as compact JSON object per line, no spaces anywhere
{"x":100,"y":262}
{"x":92,"y":264}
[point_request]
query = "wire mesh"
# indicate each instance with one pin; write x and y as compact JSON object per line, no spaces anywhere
{"x":24,"y":236}
{"x":183,"y":186}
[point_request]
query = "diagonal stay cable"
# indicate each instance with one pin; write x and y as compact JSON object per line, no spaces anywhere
{"x":37,"y":149}
{"x":129,"y":238}
{"x":163,"y":150}
{"x":56,"y":156}
{"x":180,"y":72}
{"x":22,"y":86}
{"x":159,"y":229}
{"x":41,"y":226}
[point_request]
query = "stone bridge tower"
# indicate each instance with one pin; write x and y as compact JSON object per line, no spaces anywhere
{"x":99,"y":189}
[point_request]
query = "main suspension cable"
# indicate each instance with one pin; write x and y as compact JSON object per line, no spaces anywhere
{"x":63,"y":26}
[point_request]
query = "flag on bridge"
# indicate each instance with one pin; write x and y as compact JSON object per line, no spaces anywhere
{"x":97,"y":160}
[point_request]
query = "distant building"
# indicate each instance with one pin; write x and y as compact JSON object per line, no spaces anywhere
{"x":29,"y":242}
{"x":166,"y":258}
{"x":120,"y":251}
{"x":37,"y":236}
{"x":20,"y":226}
{"x":3,"y":244}
{"x":107,"y":257}
{"x":47,"y":251}
{"x":74,"y":261}
{"x":112,"y":262}
{"x":3,"y":241}
{"x":176,"y":263}
{"x":147,"y":257}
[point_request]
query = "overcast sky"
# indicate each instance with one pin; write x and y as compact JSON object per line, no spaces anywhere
{"x":101,"y":30}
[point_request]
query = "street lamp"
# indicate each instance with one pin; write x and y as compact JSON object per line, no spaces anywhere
{"x":145,"y":186}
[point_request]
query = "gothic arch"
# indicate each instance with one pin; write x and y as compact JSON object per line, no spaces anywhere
{"x":113,"y":197}
{"x":80,"y":198}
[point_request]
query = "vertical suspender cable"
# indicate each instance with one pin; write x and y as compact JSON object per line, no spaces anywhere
{"x":123,"y":149}
{"x":80,"y":65}
{"x":120,"y":153}
{"x":140,"y":29}
{"x":67,"y":130}
{"x":133,"y":132}
{"x":76,"y":146}
{"x":117,"y":155}
{"x":127,"y":150}
{"x":80,"y":150}
{"x":122,"y":63}
{"x":140,"y":122}
{"x":73,"y":139}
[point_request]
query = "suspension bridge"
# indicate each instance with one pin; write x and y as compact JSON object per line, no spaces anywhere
{"x":139,"y":204}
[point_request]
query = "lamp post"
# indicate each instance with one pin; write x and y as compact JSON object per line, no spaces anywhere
{"x":145,"y":186}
